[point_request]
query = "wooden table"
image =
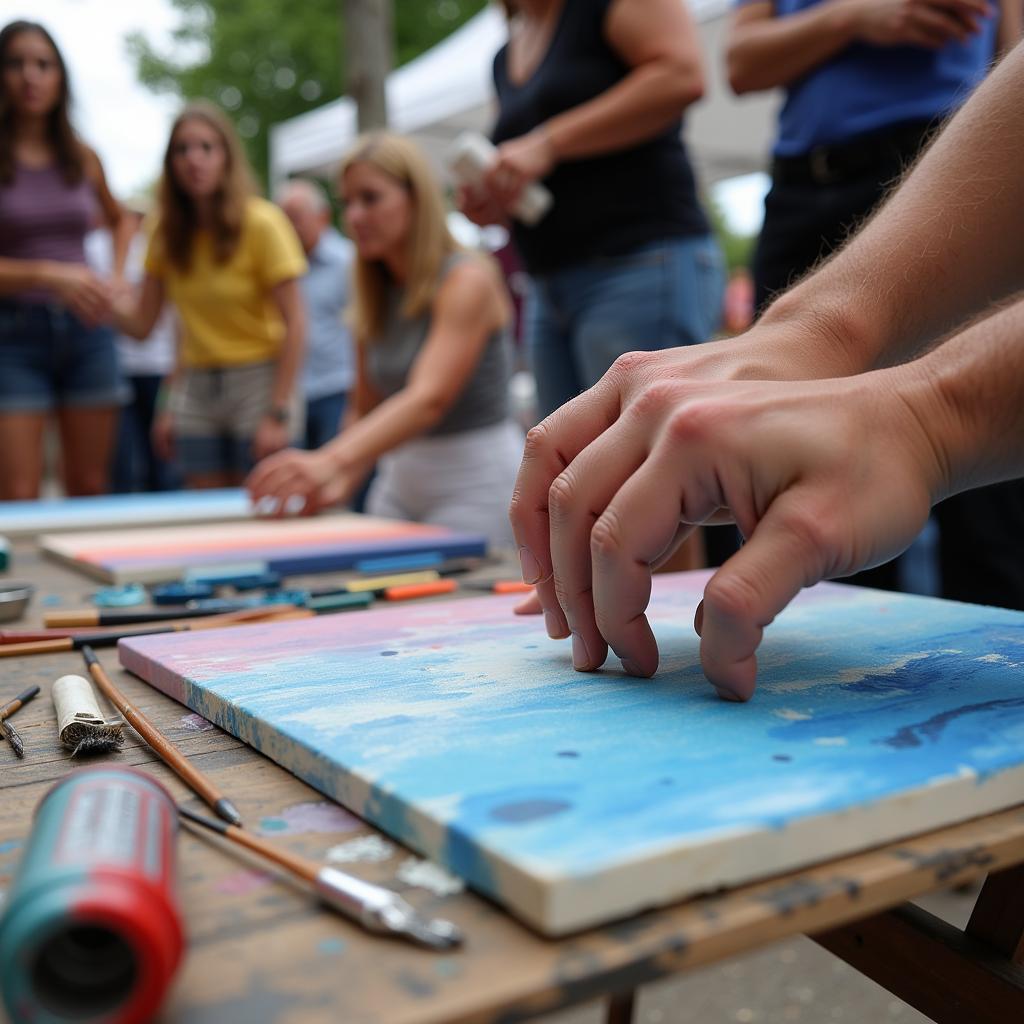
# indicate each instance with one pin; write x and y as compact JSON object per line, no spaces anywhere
{"x":261,"y":951}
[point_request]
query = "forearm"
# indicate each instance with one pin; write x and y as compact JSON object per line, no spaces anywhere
{"x":289,"y":361}
{"x":969,"y":393}
{"x":26,"y":275}
{"x":646,"y":101}
{"x":122,"y":233}
{"x":397,"y":419}
{"x":943,"y":248}
{"x":774,"y":51}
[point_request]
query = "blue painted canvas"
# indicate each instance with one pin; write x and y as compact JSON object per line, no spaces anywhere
{"x":23,"y":518}
{"x":573,"y":799}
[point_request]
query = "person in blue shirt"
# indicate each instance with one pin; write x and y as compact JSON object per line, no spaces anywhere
{"x":329,"y":370}
{"x":867,"y":83}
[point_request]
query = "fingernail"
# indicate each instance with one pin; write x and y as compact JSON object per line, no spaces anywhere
{"x":630,"y":668}
{"x":553,"y":624}
{"x":726,"y":694}
{"x":580,"y":656}
{"x":530,"y":566}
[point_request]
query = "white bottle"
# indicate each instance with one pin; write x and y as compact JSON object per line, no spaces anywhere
{"x":469,"y":158}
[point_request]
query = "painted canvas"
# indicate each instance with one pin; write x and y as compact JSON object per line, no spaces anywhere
{"x":287,"y":546}
{"x":29,"y":518}
{"x":574,"y":799}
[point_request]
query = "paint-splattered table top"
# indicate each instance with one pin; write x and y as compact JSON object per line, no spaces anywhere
{"x":259,"y":951}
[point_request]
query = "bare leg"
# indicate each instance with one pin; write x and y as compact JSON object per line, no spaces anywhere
{"x":21,"y":454}
{"x":207,"y":481}
{"x":87,"y":444}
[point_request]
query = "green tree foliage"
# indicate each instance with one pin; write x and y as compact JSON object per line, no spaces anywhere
{"x":737,"y":249}
{"x":264,"y":63}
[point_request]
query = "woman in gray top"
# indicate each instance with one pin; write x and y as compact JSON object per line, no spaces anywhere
{"x":431,"y":323}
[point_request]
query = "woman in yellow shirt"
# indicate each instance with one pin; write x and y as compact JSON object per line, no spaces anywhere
{"x":230,"y":263}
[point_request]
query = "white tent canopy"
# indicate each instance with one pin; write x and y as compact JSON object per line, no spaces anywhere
{"x":449,"y":89}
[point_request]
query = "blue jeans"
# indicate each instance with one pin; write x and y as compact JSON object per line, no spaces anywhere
{"x":323,"y":418}
{"x":49,"y":359}
{"x":580,"y":319}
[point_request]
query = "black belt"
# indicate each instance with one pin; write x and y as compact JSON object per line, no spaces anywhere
{"x":867,"y":156}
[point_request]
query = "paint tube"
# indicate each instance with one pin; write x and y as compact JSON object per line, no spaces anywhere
{"x":92,"y":930}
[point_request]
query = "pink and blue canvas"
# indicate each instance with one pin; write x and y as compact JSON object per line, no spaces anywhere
{"x":573,"y":798}
{"x":285,"y":546}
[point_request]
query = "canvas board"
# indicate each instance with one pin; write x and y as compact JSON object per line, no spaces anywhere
{"x":288,"y":546}
{"x":30,"y":518}
{"x":573,"y":799}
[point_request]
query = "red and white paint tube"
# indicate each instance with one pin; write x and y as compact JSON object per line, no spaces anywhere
{"x":92,"y":930}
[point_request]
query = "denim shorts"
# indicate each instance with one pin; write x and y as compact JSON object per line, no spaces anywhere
{"x":581,"y":318}
{"x":49,"y":359}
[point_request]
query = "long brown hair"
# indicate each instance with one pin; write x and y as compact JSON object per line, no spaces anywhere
{"x":429,"y":242}
{"x":179,"y":222}
{"x":59,"y":134}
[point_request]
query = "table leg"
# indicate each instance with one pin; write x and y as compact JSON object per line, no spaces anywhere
{"x":946,"y":974}
{"x":620,"y":1008}
{"x":998,"y":916}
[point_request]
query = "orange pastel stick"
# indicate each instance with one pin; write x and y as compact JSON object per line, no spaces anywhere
{"x":513,"y":587}
{"x":410,"y":590}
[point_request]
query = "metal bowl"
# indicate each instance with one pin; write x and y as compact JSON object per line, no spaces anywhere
{"x":14,"y":599}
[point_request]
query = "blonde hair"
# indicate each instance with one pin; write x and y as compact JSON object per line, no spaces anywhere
{"x":178,"y":221}
{"x":429,"y":242}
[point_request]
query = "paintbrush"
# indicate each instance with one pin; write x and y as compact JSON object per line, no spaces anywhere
{"x":110,"y":638}
{"x":99,"y":617}
{"x":8,"y":730}
{"x":373,"y":906}
{"x":171,"y":756}
{"x":81,"y":727}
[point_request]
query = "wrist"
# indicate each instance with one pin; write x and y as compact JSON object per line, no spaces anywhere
{"x":820,"y":334}
{"x":545,"y":135}
{"x":279,"y":413}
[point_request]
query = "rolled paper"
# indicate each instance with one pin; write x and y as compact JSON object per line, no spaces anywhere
{"x":78,"y":712}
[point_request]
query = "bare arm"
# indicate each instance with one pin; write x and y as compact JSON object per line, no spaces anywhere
{"x":1011,"y":24}
{"x":658,"y":40}
{"x":136,"y":314}
{"x":288,"y":298}
{"x":944,"y":247}
{"x":765,"y":51}
{"x":468,"y":309}
{"x":113,"y":213}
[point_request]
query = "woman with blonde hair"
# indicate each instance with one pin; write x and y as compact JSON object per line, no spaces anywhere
{"x":230,"y":263}
{"x":431,"y":323}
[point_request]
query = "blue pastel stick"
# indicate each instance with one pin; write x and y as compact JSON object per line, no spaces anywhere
{"x":399,"y":563}
{"x":226,"y":574}
{"x":260,"y":581}
{"x":180,"y":593}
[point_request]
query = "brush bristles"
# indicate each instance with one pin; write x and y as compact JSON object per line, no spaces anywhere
{"x":86,"y":739}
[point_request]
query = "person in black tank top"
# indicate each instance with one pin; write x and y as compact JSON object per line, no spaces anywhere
{"x":591,"y":94}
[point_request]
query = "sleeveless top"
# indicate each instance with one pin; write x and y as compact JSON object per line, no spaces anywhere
{"x":389,"y":358}
{"x":44,"y":218}
{"x":604,"y":205}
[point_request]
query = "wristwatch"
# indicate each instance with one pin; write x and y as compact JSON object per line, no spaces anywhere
{"x":279,"y":414}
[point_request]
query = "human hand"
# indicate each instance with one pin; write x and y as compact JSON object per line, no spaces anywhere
{"x":271,"y":436}
{"x":477,"y":203}
{"x":799,"y":466}
{"x":313,"y":476}
{"x":83,"y":292}
{"x":162,"y":435}
{"x":928,"y":23}
{"x":519,"y":163}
